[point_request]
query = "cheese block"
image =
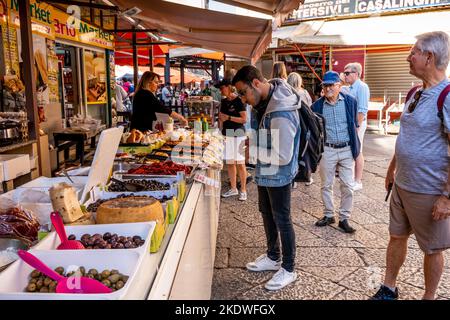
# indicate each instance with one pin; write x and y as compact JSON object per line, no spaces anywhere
{"x":87,"y":219}
{"x":65,"y":201}
{"x":130,"y":209}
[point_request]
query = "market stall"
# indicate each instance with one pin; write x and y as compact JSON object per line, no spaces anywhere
{"x":153,"y":218}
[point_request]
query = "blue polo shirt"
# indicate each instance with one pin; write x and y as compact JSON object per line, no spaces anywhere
{"x":336,"y":121}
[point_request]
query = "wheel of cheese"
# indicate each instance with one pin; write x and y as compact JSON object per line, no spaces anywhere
{"x":130,"y":209}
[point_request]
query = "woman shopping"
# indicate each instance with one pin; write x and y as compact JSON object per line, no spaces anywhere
{"x":232,"y":118}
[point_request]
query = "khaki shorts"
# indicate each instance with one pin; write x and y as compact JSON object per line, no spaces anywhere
{"x":411,"y":213}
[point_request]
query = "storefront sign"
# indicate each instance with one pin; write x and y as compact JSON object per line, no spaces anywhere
{"x":52,"y":22}
{"x":313,"y":9}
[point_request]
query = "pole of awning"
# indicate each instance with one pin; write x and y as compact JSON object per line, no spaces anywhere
{"x":167,"y":69}
{"x":28,"y":73}
{"x":182,"y":74}
{"x":135,"y":60}
{"x":324,"y":60}
{"x":331,"y":59}
{"x":150,"y":57}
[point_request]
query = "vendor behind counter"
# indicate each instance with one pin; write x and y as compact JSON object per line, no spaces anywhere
{"x":146,"y":104}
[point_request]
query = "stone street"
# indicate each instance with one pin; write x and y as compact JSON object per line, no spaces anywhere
{"x":330,"y":264}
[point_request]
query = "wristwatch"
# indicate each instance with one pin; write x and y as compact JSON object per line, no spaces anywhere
{"x":229,"y":118}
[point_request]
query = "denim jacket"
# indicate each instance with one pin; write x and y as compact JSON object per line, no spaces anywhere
{"x":277,"y":164}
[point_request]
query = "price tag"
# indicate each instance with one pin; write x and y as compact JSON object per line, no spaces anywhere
{"x":205,"y":180}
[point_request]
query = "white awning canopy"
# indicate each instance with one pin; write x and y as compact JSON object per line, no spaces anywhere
{"x":394,"y":29}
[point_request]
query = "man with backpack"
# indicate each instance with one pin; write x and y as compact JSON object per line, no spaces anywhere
{"x":342,"y":147}
{"x":419,"y":172}
{"x":277,"y":126}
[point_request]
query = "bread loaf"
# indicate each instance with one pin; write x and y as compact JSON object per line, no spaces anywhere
{"x":65,"y":201}
{"x":130,"y":209}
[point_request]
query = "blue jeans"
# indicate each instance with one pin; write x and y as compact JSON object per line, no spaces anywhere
{"x":275,"y":207}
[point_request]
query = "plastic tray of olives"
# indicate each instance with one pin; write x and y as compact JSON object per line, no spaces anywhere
{"x":126,"y":236}
{"x":16,"y":279}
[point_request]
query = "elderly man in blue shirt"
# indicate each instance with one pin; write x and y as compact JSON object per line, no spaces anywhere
{"x":361,"y":92}
{"x":342,"y":147}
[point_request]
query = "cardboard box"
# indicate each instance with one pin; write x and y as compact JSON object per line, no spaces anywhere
{"x":15,"y":165}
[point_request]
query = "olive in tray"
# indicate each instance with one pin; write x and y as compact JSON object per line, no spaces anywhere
{"x":40,"y":283}
{"x":148,"y":185}
{"x":108,"y":241}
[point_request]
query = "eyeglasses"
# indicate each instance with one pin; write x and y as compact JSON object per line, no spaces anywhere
{"x":347,"y":73}
{"x":412,"y":105}
{"x":242,"y":93}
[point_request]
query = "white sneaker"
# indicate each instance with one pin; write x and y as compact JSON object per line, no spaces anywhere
{"x":263,"y":263}
{"x":230,"y":193}
{"x":357,"y":186}
{"x":281,"y":279}
{"x":310,"y":182}
{"x":243,"y":196}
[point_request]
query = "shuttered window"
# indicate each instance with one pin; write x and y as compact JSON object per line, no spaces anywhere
{"x":388,"y":74}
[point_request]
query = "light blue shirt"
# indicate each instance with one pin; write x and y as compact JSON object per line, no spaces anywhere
{"x":361,"y":92}
{"x":336,"y":121}
{"x":422,"y":150}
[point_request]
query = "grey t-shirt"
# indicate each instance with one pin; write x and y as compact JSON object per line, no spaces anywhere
{"x":422,"y":151}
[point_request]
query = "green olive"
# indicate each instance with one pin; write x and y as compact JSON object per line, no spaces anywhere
{"x":107,"y":283}
{"x":39,"y":284}
{"x":47,"y":282}
{"x":44,"y":289}
{"x":93,"y":271}
{"x":31,"y":287}
{"x":119,"y":285}
{"x":114,"y":278}
{"x":59,"y":270}
{"x":114,"y":271}
{"x":106,"y":274}
{"x":125,"y":278}
{"x":35,"y":274}
{"x":33,"y":280}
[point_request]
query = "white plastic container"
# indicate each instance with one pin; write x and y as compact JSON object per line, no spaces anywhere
{"x":14,"y":279}
{"x":15,"y":165}
{"x":142,"y":229}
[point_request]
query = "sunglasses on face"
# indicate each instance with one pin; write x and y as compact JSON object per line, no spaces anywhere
{"x":347,"y":73}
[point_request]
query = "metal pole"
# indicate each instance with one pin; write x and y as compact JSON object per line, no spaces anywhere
{"x":167,"y":69}
{"x":150,"y":57}
{"x":324,"y":60}
{"x":135,"y":61}
{"x":28,"y":73}
{"x":182,"y":74}
{"x":330,"y":65}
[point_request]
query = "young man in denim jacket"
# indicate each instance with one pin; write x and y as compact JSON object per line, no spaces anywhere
{"x":277,"y":135}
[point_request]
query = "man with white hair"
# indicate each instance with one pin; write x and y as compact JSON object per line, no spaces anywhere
{"x":360,"y":90}
{"x":419,"y":172}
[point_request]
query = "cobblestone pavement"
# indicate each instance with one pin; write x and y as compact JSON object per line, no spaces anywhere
{"x":330,"y":264}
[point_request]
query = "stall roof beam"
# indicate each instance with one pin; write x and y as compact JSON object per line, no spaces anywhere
{"x":140,"y":44}
{"x":131,"y":30}
{"x":85,"y":4}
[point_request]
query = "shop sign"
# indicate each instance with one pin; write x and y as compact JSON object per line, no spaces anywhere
{"x":316,"y":9}
{"x":41,"y":17}
{"x":68,"y":27}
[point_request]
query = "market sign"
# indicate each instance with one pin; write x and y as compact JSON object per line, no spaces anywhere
{"x":317,"y":9}
{"x":52,"y":22}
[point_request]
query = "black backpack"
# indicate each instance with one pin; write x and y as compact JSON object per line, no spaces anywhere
{"x":312,"y":142}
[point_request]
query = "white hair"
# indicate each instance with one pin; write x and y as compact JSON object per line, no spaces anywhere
{"x":436,"y":42}
{"x":295,"y":80}
{"x":355,"y":67}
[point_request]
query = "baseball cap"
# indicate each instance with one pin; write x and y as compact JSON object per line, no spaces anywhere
{"x":331,"y":77}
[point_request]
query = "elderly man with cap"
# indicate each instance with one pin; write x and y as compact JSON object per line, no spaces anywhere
{"x":342,"y":147}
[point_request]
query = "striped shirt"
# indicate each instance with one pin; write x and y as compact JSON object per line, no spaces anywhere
{"x":336,"y":121}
